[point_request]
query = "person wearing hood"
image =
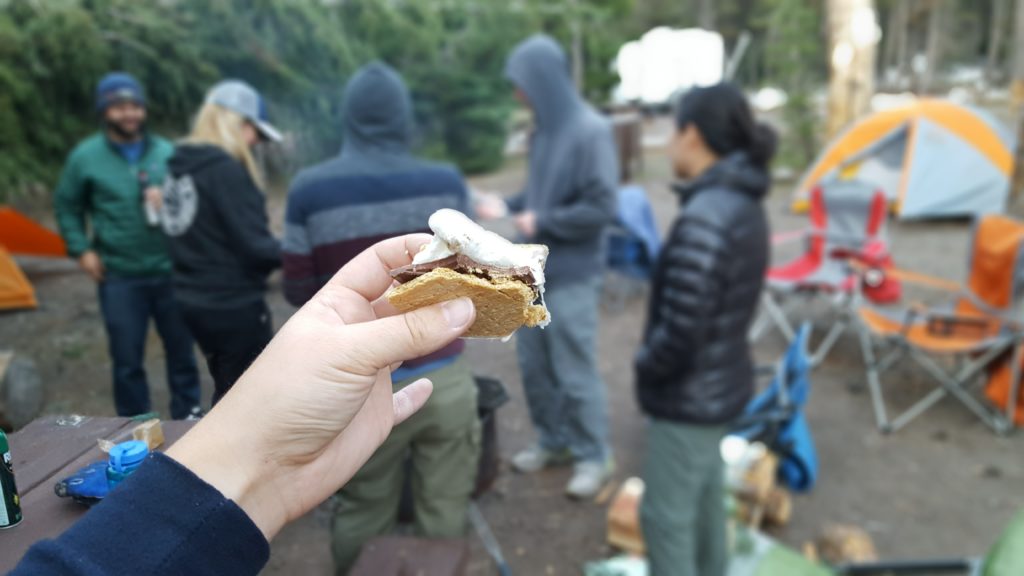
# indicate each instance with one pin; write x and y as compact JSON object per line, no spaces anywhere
{"x":694,"y":370}
{"x":376,"y":189}
{"x":214,"y":214}
{"x":108,"y":193}
{"x":567,"y":203}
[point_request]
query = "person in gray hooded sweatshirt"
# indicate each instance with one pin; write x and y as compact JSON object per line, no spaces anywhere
{"x":568,"y":201}
{"x":373,"y":190}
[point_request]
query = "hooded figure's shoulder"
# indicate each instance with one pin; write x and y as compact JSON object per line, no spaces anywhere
{"x":594,"y":124}
{"x":196,"y":157}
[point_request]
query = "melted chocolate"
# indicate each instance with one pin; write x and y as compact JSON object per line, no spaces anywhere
{"x":463,"y":265}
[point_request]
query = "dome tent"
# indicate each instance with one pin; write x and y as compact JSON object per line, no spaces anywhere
{"x":932,"y":158}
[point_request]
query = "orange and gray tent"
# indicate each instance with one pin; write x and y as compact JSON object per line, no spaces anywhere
{"x":932,"y":158}
{"x":20,"y":235}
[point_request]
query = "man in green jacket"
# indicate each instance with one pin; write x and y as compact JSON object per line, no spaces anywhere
{"x":107,"y":205}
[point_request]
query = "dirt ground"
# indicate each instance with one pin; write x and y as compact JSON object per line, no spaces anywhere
{"x":943,"y":486}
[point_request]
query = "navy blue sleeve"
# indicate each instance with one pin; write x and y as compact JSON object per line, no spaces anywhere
{"x":162,"y":520}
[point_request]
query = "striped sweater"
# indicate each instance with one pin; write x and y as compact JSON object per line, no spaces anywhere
{"x":336,"y":211}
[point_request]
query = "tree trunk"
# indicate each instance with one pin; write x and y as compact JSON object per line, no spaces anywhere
{"x":576,"y":28}
{"x":996,"y":37}
{"x":894,"y":58}
{"x":903,"y":41}
{"x":706,"y":14}
{"x":933,"y":53}
{"x":1015,"y":204}
{"x":853,"y":36}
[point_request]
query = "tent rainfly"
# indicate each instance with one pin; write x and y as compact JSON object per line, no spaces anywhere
{"x":20,"y":235}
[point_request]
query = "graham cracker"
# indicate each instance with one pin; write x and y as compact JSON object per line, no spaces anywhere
{"x":502,"y":305}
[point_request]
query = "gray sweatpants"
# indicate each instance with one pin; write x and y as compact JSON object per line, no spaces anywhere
{"x":682,"y":514}
{"x":564,"y":390}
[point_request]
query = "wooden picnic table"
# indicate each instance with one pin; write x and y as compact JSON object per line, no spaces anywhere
{"x":49,"y":449}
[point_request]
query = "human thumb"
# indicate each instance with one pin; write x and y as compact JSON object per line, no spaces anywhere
{"x":381,"y":343}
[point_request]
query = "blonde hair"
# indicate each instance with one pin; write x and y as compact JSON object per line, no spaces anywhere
{"x":221,"y":127}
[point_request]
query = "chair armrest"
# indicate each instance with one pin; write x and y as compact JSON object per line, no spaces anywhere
{"x":949,"y":324}
{"x":790,"y":236}
{"x":907,"y":276}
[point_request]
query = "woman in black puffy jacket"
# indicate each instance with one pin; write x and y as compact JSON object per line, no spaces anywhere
{"x":694,"y":371}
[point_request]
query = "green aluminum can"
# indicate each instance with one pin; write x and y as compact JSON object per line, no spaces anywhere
{"x":10,"y":506}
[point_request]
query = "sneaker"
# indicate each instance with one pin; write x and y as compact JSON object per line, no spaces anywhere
{"x":196,"y":413}
{"x":535,"y":459}
{"x":588,"y":478}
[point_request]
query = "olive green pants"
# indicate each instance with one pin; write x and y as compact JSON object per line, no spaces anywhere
{"x":443,"y":440}
{"x":683,"y":512}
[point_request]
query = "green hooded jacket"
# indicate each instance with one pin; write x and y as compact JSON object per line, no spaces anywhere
{"x":99,"y":205}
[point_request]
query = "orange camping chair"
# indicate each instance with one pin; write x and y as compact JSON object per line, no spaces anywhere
{"x":980,"y":329}
{"x":847,"y":223}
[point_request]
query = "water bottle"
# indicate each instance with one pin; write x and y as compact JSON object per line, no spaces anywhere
{"x":125,"y":458}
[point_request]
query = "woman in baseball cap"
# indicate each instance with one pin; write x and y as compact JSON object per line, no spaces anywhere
{"x":215,"y":217}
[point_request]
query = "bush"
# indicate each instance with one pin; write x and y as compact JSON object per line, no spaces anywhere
{"x":297,"y":52}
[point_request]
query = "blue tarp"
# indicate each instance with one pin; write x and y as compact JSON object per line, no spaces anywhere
{"x":634,"y":246}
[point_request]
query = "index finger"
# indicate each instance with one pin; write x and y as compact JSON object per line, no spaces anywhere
{"x":369,"y":273}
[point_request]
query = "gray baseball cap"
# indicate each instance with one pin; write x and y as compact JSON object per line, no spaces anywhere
{"x":239,"y":97}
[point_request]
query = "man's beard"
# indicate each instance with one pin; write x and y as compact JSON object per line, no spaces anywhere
{"x":127,"y":135}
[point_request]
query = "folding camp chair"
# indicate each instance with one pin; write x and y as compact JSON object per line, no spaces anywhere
{"x":632,"y":247}
{"x":979,"y":330}
{"x":847,"y":222}
{"x":775,"y":416}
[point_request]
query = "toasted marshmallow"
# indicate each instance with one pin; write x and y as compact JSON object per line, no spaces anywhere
{"x":455,"y":233}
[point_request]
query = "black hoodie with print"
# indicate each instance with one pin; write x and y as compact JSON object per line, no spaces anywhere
{"x":216,"y":220}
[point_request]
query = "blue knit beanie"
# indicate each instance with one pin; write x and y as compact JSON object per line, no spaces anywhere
{"x":117,"y":87}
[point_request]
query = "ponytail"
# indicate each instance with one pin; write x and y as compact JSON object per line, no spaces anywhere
{"x":762,"y":145}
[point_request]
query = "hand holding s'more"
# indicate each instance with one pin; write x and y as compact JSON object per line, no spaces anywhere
{"x":504,"y":280}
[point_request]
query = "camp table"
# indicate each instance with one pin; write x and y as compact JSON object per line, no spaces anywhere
{"x":49,"y":449}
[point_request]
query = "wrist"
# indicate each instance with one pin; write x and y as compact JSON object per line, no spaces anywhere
{"x":234,"y":469}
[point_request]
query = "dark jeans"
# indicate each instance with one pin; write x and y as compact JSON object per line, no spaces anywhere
{"x":127,"y":303}
{"x":230,"y":338}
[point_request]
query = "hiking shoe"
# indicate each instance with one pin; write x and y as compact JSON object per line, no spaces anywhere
{"x":535,"y":459}
{"x":588,"y":478}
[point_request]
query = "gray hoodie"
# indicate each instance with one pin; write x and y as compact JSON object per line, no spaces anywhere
{"x":573,"y":166}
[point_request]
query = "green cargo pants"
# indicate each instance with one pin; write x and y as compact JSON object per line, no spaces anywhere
{"x":683,"y":514}
{"x":443,"y":439}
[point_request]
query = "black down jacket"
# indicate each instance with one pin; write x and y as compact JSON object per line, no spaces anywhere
{"x":694,"y":365}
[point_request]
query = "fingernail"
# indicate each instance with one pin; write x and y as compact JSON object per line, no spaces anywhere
{"x":457,"y":312}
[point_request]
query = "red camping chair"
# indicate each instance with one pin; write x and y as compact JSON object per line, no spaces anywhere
{"x":847,"y":224}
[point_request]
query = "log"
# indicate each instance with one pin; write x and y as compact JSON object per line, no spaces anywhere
{"x":759,"y":479}
{"x":843,"y":543}
{"x":624,"y":517}
{"x":778,"y":510}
